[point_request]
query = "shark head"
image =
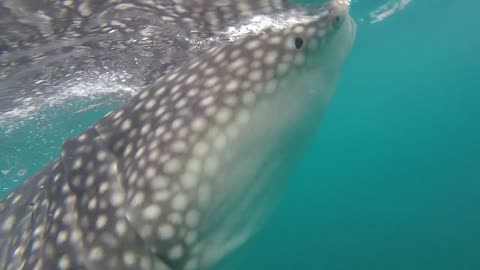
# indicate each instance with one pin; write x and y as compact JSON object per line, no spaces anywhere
{"x":189,"y":168}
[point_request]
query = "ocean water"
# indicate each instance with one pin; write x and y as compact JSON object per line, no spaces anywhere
{"x":392,"y":180}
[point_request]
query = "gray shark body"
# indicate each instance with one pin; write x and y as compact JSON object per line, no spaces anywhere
{"x":187,"y":170}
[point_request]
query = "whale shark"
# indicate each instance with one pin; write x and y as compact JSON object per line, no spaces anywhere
{"x":188,"y":169}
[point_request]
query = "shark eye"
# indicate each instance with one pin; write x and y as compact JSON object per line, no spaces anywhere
{"x":298,"y":42}
{"x":337,"y":20}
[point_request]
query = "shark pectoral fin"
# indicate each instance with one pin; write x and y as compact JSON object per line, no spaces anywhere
{"x":93,"y":202}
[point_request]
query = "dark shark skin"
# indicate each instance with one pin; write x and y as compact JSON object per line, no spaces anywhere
{"x":48,"y":43}
{"x":186,"y":170}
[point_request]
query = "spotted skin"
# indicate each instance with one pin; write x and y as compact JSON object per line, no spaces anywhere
{"x":188,"y":169}
{"x":48,"y":45}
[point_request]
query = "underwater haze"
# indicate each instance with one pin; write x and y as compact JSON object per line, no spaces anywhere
{"x":392,"y":181}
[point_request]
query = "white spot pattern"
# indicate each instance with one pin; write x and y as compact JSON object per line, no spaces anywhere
{"x":151,"y":167}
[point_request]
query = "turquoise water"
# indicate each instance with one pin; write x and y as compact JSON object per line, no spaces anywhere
{"x":393,"y":178}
